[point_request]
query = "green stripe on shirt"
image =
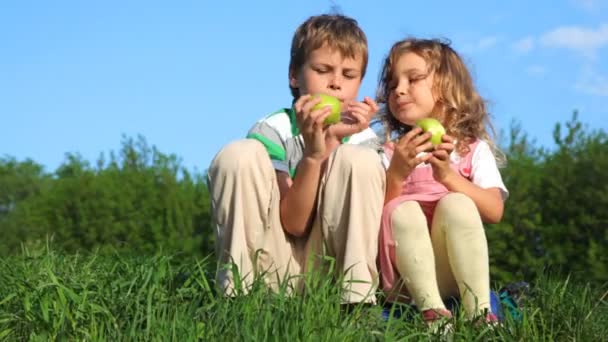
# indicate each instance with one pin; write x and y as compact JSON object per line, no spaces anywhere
{"x":275,"y":151}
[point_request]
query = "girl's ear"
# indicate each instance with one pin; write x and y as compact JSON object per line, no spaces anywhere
{"x":438,"y":111}
{"x":435,"y":91}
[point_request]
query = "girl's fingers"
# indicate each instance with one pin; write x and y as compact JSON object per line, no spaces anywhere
{"x":441,"y":155}
{"x":422,"y":138}
{"x":422,"y":158}
{"x":449,"y":147}
{"x":424,"y":147}
{"x":405,"y":139}
{"x":447,"y":138}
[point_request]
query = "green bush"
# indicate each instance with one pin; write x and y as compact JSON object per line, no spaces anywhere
{"x":142,"y":201}
{"x":555,"y":216}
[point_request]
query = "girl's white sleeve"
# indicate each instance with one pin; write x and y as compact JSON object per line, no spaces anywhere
{"x":484,"y":172}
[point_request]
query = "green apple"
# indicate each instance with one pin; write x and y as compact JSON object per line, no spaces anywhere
{"x":433,"y":126}
{"x":336,"y":108}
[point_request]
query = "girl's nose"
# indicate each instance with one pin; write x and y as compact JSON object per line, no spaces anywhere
{"x":402,"y":88}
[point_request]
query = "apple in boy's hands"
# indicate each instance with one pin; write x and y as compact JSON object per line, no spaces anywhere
{"x":433,"y":126}
{"x":336,"y":108}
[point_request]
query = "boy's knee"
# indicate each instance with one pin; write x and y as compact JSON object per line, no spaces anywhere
{"x":239,"y":154}
{"x":361,"y":158}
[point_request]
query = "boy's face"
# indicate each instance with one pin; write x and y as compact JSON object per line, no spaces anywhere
{"x":327,"y":71}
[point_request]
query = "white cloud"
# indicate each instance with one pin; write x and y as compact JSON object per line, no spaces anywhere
{"x":487,"y":42}
{"x":583,"y":40}
{"x":484,"y":43}
{"x":524,"y":45}
{"x":593,"y":83}
{"x":588,"y":4}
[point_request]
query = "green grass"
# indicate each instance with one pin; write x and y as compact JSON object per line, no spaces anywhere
{"x":114,"y":298}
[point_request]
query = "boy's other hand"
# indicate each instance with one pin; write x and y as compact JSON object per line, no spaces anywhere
{"x":355,"y":118}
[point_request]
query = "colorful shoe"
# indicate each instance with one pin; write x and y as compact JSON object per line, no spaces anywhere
{"x":439,"y":321}
{"x":488,"y":320}
{"x":492,"y":319}
{"x":431,"y":315}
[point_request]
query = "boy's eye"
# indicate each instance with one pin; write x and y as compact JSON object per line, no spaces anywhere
{"x":350,"y":75}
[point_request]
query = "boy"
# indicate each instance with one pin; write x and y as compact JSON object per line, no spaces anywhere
{"x":295,"y":184}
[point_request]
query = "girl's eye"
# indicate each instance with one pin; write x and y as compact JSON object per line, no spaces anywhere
{"x":417,"y":78}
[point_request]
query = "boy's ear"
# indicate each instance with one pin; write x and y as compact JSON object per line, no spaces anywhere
{"x":293,"y":79}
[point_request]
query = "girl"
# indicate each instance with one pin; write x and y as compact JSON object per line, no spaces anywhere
{"x":437,"y":198}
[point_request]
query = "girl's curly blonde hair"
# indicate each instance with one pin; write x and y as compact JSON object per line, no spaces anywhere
{"x":458,"y":107}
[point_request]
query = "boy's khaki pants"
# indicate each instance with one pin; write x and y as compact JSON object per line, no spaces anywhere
{"x":245,"y":201}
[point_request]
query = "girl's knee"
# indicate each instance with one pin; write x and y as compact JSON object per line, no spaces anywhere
{"x":408,"y":219}
{"x":456,"y":197}
{"x":458,"y":208}
{"x":456,"y":202}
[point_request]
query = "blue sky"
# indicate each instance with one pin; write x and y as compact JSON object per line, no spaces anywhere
{"x":190,"y":76}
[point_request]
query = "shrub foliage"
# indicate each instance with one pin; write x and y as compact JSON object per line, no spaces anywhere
{"x":142,"y":200}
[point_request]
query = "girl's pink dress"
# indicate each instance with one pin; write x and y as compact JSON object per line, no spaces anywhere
{"x":419,"y":186}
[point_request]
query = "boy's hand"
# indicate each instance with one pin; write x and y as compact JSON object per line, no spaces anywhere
{"x":355,"y":118}
{"x":407,"y":153}
{"x":310,"y":123}
{"x":440,"y":159}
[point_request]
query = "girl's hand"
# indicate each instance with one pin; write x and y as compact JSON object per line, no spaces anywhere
{"x":355,"y":118}
{"x":310,"y":123}
{"x":407,"y":154}
{"x":440,"y":159}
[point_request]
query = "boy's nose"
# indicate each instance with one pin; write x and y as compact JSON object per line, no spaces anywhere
{"x":335,"y":82}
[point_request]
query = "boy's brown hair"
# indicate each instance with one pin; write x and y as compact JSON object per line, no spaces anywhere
{"x":337,"y":31}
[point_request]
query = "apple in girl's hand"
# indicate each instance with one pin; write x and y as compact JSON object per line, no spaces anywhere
{"x":433,"y":126}
{"x":336,"y":108}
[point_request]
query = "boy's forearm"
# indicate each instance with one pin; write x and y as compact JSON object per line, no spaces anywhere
{"x":298,"y":204}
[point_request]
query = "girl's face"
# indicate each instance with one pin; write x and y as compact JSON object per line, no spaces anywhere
{"x":327,"y":71}
{"x":411,"y":94}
